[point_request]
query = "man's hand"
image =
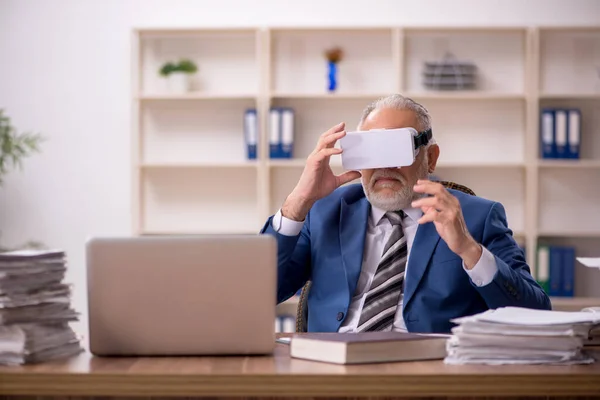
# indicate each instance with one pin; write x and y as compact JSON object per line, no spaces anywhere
{"x":317,"y":179}
{"x":444,"y":211}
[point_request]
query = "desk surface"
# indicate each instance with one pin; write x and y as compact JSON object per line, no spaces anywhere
{"x":87,"y":375}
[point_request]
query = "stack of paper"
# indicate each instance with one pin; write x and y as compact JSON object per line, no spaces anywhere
{"x":594,"y":337}
{"x":35,"y":308}
{"x":513,"y":335}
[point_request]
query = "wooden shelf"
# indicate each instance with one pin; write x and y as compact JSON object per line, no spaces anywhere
{"x":464,"y":29}
{"x":184,"y":232}
{"x":570,"y":96}
{"x":291,"y":163}
{"x":466,"y":95}
{"x":569,"y":234}
{"x":240,"y":164}
{"x":573,"y":303}
{"x":454,"y":164}
{"x":329,"y":96}
{"x":196,"y":96}
{"x":296,"y":163}
{"x":558,"y":163}
{"x":182,"y":30}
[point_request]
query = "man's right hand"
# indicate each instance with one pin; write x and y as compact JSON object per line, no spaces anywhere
{"x":317,"y":179}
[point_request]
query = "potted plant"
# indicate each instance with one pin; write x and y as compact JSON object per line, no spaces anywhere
{"x":178,"y":75}
{"x":14,"y":147}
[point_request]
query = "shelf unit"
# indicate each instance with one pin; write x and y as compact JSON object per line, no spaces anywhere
{"x":191,"y":173}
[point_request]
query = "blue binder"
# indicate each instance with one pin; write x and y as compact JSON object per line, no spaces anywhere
{"x":568,"y":278}
{"x":556,"y":274}
{"x":251,"y":133}
{"x":275,"y":132}
{"x":547,"y":133}
{"x":287,"y":133}
{"x":574,"y":133}
{"x":560,"y":133}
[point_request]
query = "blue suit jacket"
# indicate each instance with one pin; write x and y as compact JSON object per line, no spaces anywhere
{"x":329,"y":252}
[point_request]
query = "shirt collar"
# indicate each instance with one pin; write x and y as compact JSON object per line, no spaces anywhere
{"x":377,"y":214}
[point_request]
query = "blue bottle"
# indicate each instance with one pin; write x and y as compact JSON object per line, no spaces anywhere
{"x":332,"y":76}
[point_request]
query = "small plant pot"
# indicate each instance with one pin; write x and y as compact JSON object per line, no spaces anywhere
{"x":178,"y":82}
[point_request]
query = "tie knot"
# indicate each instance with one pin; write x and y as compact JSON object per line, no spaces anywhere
{"x":395,"y":217}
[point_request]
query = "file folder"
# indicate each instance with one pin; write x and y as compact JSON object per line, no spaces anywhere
{"x":560,"y":133}
{"x":274,"y":132}
{"x":568,"y":280}
{"x":543,"y":267}
{"x":547,"y":133}
{"x":556,"y":271}
{"x":251,"y":133}
{"x":574,"y":133}
{"x":287,"y":132}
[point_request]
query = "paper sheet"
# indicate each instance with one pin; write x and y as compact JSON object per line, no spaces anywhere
{"x":592,"y":262}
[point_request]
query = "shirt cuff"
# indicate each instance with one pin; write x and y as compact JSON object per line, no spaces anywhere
{"x":484,"y":271}
{"x":286,"y":226}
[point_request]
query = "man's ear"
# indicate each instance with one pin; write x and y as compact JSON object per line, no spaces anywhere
{"x":433,"y":153}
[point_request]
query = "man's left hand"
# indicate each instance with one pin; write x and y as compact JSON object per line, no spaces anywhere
{"x":443,"y":209}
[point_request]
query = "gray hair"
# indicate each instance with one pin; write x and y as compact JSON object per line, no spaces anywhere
{"x":399,"y":102}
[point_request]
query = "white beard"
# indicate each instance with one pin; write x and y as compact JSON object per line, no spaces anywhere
{"x":399,"y":199}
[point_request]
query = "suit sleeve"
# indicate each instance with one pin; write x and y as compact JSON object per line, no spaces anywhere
{"x":293,"y":259}
{"x":512,"y":284}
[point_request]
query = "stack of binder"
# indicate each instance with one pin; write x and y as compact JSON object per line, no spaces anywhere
{"x":281,"y":132}
{"x":35,"y":309}
{"x":560,"y":133}
{"x":556,"y":270}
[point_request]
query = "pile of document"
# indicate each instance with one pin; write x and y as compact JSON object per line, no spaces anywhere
{"x":35,"y":309}
{"x":513,"y":335}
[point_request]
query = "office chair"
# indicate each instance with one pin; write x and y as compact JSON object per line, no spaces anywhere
{"x":302,"y":310}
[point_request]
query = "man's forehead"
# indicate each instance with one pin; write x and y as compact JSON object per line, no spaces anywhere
{"x":389,"y":118}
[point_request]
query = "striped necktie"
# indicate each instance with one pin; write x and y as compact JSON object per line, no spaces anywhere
{"x":383,"y":296}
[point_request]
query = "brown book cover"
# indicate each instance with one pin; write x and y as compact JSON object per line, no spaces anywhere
{"x":367,"y":336}
{"x":368,"y":347}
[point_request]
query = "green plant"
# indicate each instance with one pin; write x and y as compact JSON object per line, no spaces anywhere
{"x":14,"y":146}
{"x":185,"y":65}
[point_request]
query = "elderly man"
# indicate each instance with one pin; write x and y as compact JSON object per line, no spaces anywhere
{"x":396,"y":252}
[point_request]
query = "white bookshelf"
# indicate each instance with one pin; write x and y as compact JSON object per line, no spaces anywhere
{"x":567,"y":192}
{"x":190,"y":169}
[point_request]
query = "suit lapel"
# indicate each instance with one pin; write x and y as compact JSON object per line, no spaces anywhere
{"x":353,"y":229}
{"x":422,"y":249}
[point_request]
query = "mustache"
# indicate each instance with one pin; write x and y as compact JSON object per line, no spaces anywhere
{"x":386,"y":173}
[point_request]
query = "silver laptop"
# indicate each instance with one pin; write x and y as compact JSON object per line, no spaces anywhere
{"x":191,"y":295}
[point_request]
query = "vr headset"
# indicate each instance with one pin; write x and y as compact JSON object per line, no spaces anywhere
{"x":382,"y":148}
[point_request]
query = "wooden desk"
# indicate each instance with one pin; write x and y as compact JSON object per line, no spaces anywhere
{"x":280,"y":376}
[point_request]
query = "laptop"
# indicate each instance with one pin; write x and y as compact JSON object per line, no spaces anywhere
{"x":174,"y":295}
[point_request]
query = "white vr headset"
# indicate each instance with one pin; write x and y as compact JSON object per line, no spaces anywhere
{"x":382,"y":148}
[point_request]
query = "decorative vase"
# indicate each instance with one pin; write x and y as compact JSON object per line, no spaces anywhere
{"x":178,"y":82}
{"x":332,"y":75}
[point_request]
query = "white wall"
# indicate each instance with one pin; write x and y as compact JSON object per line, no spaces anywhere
{"x":64,"y":72}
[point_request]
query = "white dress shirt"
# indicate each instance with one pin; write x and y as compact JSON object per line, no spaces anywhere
{"x":378,"y":232}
